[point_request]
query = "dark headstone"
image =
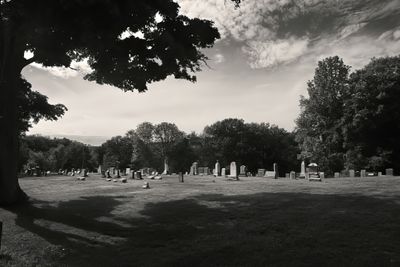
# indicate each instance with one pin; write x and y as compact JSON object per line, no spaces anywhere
{"x":180,"y":177}
{"x":276,"y":170}
{"x":389,"y":172}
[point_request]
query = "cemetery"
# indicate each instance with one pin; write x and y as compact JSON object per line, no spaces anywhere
{"x":203,"y":218}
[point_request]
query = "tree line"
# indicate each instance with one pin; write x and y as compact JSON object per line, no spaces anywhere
{"x":256,"y":145}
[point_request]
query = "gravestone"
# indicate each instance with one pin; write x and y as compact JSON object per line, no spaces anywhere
{"x":191,"y":170}
{"x":127,"y":171}
{"x":363,"y":173}
{"x":292,"y":175}
{"x":195,"y":165}
{"x":242,"y":172}
{"x":99,"y":169}
{"x":166,"y":167}
{"x":302,"y":169}
{"x":180,"y":177}
{"x":352,"y":173}
{"x":322,"y":175}
{"x":389,"y":172}
{"x":223,"y":172}
{"x":337,"y":175}
{"x":260,"y":172}
{"x":217,"y":169}
{"x":233,"y":170}
{"x":287,"y":175}
{"x":206,"y":171}
{"x":276,"y":171}
{"x":138,"y":175}
{"x":380,"y":174}
{"x":270,"y":174}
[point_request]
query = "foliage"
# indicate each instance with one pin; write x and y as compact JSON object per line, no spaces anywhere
{"x":352,"y":121}
{"x":319,"y":125}
{"x":256,"y":145}
{"x":55,"y":154}
{"x":372,"y":118}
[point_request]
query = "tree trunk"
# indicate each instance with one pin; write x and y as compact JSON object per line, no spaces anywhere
{"x":11,"y":57}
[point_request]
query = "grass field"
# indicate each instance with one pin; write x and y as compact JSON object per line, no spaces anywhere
{"x":205,"y":221}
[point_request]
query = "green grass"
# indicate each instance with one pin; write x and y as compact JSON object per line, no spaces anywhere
{"x":204,"y":222}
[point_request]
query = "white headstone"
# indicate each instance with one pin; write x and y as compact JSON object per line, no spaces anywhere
{"x":217,"y":169}
{"x":233,"y":170}
{"x":223,"y":172}
{"x":303,"y":169}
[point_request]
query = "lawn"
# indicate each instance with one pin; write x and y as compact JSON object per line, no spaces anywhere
{"x":205,"y":221}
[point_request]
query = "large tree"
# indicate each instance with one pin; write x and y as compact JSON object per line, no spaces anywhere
{"x":372,"y":117}
{"x":319,"y":125}
{"x":128,"y":44}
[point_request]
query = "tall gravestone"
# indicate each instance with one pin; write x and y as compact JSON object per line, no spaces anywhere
{"x":166,"y":167}
{"x":233,"y":170}
{"x":292,"y":175}
{"x":363,"y":173}
{"x":217,"y":169}
{"x":195,"y":168}
{"x":223,"y":172}
{"x":276,"y":170}
{"x":303,"y":169}
{"x":352,"y":173}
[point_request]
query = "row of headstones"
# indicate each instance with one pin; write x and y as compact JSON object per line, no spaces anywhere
{"x":233,"y":171}
{"x":363,"y":173}
{"x":73,"y":172}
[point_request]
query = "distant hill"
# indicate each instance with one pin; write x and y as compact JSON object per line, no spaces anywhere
{"x":89,"y":140}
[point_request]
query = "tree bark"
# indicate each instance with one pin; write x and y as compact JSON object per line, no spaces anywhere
{"x":10,"y":72}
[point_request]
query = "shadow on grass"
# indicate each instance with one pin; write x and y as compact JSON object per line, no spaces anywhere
{"x":282,"y":229}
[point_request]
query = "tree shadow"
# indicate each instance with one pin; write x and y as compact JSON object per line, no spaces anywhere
{"x":278,"y":229}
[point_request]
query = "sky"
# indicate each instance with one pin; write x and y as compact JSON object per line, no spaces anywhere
{"x":257,"y":71}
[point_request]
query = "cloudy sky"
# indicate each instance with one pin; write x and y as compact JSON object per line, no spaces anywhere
{"x":257,"y":70}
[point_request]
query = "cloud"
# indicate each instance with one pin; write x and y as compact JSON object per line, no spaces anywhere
{"x":219,"y":58}
{"x":76,"y":68}
{"x":277,"y":32}
{"x":274,"y":53}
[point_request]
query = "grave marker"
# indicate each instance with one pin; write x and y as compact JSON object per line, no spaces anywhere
{"x":243,"y":170}
{"x":389,"y":172}
{"x":217,"y":169}
{"x":337,"y":175}
{"x":352,"y":173}
{"x":292,"y":175}
{"x":223,"y":172}
{"x":363,"y":173}
{"x":233,"y":170}
{"x":260,"y":172}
